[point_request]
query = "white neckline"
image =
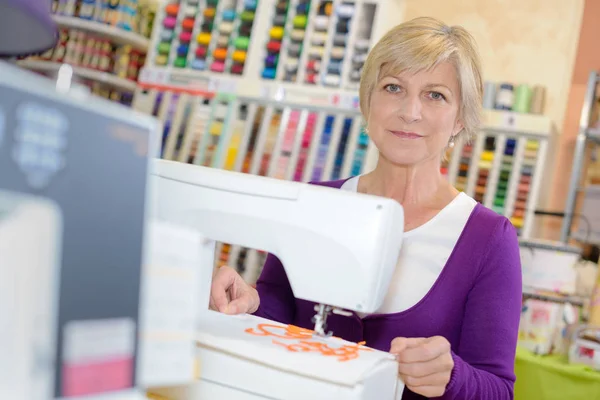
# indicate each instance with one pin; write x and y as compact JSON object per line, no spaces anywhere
{"x":459,"y":197}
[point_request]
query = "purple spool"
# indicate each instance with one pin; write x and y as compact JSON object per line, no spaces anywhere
{"x":31,"y":28}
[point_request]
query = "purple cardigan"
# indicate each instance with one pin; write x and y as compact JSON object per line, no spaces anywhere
{"x":475,"y":304}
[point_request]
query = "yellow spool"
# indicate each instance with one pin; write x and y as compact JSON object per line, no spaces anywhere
{"x":239,"y":56}
{"x":203,"y":38}
{"x":276,"y":32}
{"x":517,"y":222}
{"x":216,"y":128}
{"x":161,"y":60}
{"x":328,"y":9}
{"x":487,"y":155}
{"x":485,"y":164}
{"x":532,"y":145}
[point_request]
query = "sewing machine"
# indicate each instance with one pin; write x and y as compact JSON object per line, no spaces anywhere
{"x":321,"y":235}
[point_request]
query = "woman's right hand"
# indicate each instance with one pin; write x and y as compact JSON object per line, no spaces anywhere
{"x":230,"y":294}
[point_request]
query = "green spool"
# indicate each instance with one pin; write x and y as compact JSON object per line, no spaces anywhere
{"x":522,"y":101}
{"x":164,"y":48}
{"x":300,"y":21}
{"x":180,"y":62}
{"x":247,"y":16}
{"x":498,"y":209}
{"x":498,"y":202}
{"x":501,"y":194}
{"x":212,"y":2}
{"x":242,"y":43}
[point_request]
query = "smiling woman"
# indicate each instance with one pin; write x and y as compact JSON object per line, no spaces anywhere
{"x":451,"y":313}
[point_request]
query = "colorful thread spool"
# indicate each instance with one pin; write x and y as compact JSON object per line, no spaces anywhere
{"x":337,"y":53}
{"x":220,"y":54}
{"x":182,"y":50}
{"x":340,"y":40}
{"x":274,"y":46}
{"x":321,"y":23}
{"x":250,"y":4}
{"x":203,"y":38}
{"x":164,"y":48}
{"x":210,"y":12}
{"x":201,"y":51}
{"x":223,"y":41}
{"x":169,"y":22}
{"x":217,"y":66}
{"x":198,"y":64}
{"x":239,"y":56}
{"x":362,"y":45}
{"x":228,"y":15}
{"x":279,"y":20}
{"x":166,"y":35}
{"x":190,"y":11}
{"x":345,"y":10}
{"x":226,"y":28}
{"x":185,"y":37}
{"x":489,"y":95}
{"x":269,"y":73}
{"x":300,"y":21}
{"x":187,"y":24}
{"x":247,"y":16}
{"x":180,"y":62}
{"x":237,"y":69}
{"x":505,"y":97}
{"x":276,"y":33}
{"x":172,"y":9}
{"x":242,"y":43}
{"x":297,"y":35}
{"x":522,"y":100}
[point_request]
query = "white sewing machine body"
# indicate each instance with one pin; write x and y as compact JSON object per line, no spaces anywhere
{"x":321,"y":235}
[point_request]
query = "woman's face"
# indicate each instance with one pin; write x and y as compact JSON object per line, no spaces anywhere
{"x":412,"y":117}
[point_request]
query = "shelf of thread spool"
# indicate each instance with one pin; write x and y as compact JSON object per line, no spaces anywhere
{"x":204,"y":35}
{"x":502,"y":167}
{"x":114,"y":34}
{"x":320,"y":43}
{"x":279,"y":139}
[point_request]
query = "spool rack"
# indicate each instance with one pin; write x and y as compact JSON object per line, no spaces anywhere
{"x":503,"y":167}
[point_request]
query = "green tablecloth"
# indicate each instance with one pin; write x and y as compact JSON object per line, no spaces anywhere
{"x":552,"y":378}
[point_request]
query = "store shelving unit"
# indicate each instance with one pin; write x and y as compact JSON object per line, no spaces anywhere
{"x":586,"y":136}
{"x":105,"y":78}
{"x":114,"y":34}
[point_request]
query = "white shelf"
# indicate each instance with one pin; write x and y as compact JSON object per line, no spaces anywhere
{"x":186,"y":80}
{"x":116,"y":35}
{"x":102,"y":77}
{"x":512,"y":122}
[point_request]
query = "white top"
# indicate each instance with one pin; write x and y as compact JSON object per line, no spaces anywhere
{"x":424,"y":252}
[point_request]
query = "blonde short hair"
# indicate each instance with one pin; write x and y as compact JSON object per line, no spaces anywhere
{"x":421,"y":44}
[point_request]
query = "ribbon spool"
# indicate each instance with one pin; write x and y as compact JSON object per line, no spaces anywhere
{"x":271,"y":60}
{"x":185,"y":37}
{"x":537,"y":100}
{"x":313,"y":65}
{"x":247,"y":16}
{"x":489,"y":95}
{"x":505,"y":97}
{"x":239,"y":56}
{"x":522,"y":99}
{"x":274,"y":46}
{"x":220,"y":54}
{"x":182,"y":50}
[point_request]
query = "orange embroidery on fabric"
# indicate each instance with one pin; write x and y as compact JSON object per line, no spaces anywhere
{"x":305,"y":343}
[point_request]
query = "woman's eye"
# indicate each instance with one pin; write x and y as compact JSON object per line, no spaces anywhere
{"x":437,"y":96}
{"x":392,"y":88}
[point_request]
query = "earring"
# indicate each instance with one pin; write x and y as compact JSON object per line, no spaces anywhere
{"x":451,"y":142}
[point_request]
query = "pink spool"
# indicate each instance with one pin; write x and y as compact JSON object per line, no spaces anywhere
{"x":185,"y":37}
{"x":170,"y":22}
{"x":217,"y":66}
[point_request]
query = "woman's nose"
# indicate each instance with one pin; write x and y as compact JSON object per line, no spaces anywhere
{"x":410,"y":109}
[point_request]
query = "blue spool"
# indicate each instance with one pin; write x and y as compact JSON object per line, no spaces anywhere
{"x":166,"y":35}
{"x":182,"y":50}
{"x":228,"y":15}
{"x":199,"y":64}
{"x":269,"y":73}
{"x":250,"y":5}
{"x":335,"y":67}
{"x":302,"y":9}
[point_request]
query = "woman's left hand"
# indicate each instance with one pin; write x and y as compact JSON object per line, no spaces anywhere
{"x":424,"y":364}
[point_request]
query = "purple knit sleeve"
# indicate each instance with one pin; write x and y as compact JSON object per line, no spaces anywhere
{"x":277,"y":301}
{"x":485,"y":368}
